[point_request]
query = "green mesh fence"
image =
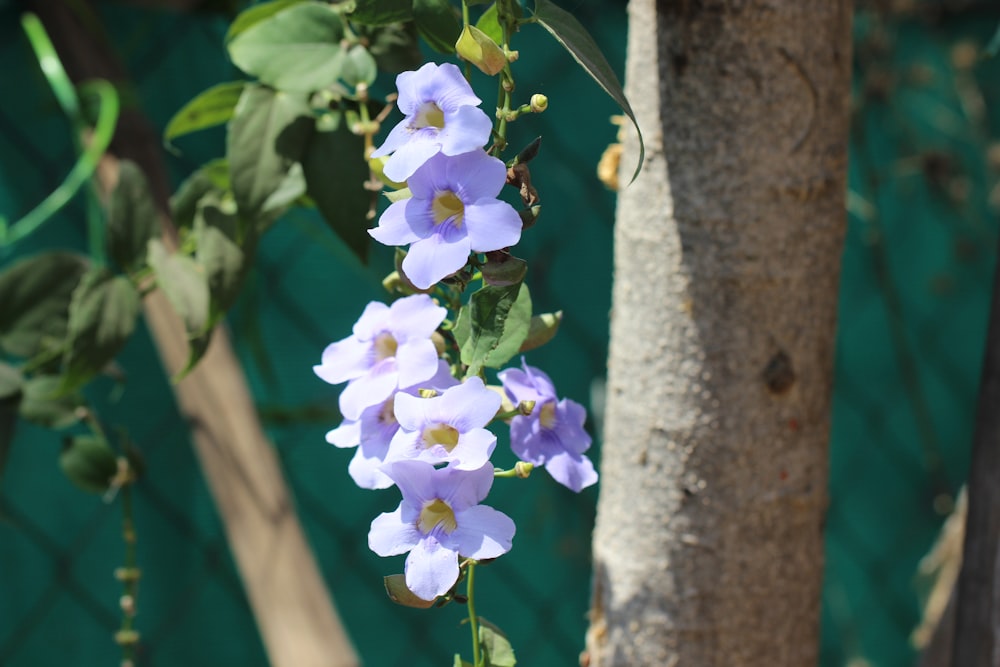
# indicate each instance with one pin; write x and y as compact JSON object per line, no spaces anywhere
{"x":915,"y":286}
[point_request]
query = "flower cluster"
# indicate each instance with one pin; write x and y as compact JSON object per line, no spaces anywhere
{"x":416,"y":426}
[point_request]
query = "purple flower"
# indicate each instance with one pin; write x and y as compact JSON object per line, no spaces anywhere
{"x":442,"y":116}
{"x":446,"y":428}
{"x":552,"y":435}
{"x":373,"y":431}
{"x":453,"y":211}
{"x":391,"y":347}
{"x":439,"y":520}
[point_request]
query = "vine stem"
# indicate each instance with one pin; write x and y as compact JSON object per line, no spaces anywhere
{"x":473,"y":619}
{"x":129,"y":574}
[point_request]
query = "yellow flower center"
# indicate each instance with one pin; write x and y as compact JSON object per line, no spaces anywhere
{"x":429,"y":115}
{"x":447,"y":205}
{"x":440,"y":434}
{"x":385,"y":346}
{"x":436,"y":513}
{"x":547,"y":415}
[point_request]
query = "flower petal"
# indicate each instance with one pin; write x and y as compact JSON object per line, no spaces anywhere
{"x":345,"y":360}
{"x":492,"y":225}
{"x":435,"y":258}
{"x":366,"y":471}
{"x":372,"y":321}
{"x":469,"y":405}
{"x":415,"y":316}
{"x":417,"y":481}
{"x":530,"y":442}
{"x":431,"y":569}
{"x":465,"y":489}
{"x":465,"y":130}
{"x":395,"y":227}
{"x":390,"y":535}
{"x":482,"y":532}
{"x":369,"y":390}
{"x":446,"y":86}
{"x":417,"y":361}
{"x":411,"y":156}
{"x":574,"y":471}
{"x":348,"y":434}
{"x":473,"y":449}
{"x":476,"y":176}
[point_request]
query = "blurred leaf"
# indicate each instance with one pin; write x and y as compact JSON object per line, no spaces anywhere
{"x":993,"y":48}
{"x":379,"y":12}
{"x":89,"y":463}
{"x":225,"y":245}
{"x":574,"y":37}
{"x":43,"y":403}
{"x":498,"y":321}
{"x":255,"y":15}
{"x":490,"y":25}
{"x":394,"y":46}
{"x":132,"y":217}
{"x":184,"y":284}
{"x":359,"y":67}
{"x":296,"y":50}
{"x":496,"y":648}
{"x":541,"y":330}
{"x":335,"y":171}
{"x":438,"y":23}
{"x":102,"y":316}
{"x":34,"y":300}
{"x":398,"y":195}
{"x":209,"y":108}
{"x":212,"y":176}
{"x":267,"y":134}
{"x":502,"y":269}
{"x":291,"y":188}
{"x":395,"y":588}
{"x":11,"y":383}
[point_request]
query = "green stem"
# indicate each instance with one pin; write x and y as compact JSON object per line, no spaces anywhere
{"x":127,"y":637}
{"x":473,"y":619}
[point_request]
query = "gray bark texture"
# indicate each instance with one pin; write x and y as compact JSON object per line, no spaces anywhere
{"x":708,"y":548}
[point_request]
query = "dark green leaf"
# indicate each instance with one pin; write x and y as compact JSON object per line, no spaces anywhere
{"x":496,"y":649}
{"x":43,"y":403}
{"x":359,"y":67}
{"x":210,"y":177}
{"x":503,"y":269}
{"x":395,"y":588}
{"x":8,"y":419}
{"x":267,"y":134}
{"x":335,"y":171}
{"x":209,"y":108}
{"x":295,"y":50}
{"x":291,"y":188}
{"x":255,"y":15}
{"x":11,"y":381}
{"x":34,"y":301}
{"x":489,"y":24}
{"x":224,"y":247}
{"x":438,"y":23}
{"x":380,"y":12}
{"x":102,"y":316}
{"x":499,"y":318}
{"x":132,"y":217}
{"x":184,"y":284}
{"x":198,"y":346}
{"x":89,"y":463}
{"x":574,"y":37}
{"x":541,"y":330}
{"x":394,"y":46}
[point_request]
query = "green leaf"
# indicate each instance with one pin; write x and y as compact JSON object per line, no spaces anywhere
{"x":267,"y":134}
{"x":102,"y":316}
{"x":461,"y":663}
{"x":394,"y":46}
{"x":225,"y":245}
{"x":11,"y":381}
{"x":34,"y":301}
{"x":490,"y":25}
{"x":210,"y":177}
{"x":398,"y":195}
{"x":8,"y":420}
{"x":496,"y":648}
{"x":335,"y":171}
{"x":395,"y":588}
{"x":359,"y":67}
{"x":132,"y":217}
{"x":498,"y":321}
{"x":295,"y":50}
{"x":380,"y":12}
{"x":255,"y":15}
{"x":184,"y":284}
{"x":291,"y":188}
{"x":89,"y":463}
{"x":438,"y":23}
{"x":574,"y":37}
{"x":43,"y":403}
{"x":209,"y":108}
{"x":541,"y":330}
{"x":993,"y":48}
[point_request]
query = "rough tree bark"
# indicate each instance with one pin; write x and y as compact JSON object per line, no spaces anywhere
{"x":708,"y":547}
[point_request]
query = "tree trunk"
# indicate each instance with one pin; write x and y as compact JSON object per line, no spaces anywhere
{"x":708,"y":547}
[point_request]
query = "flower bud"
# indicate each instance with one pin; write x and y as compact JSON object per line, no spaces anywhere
{"x":539,"y":103}
{"x":523,"y":469}
{"x":526,"y":407}
{"x":479,"y":49}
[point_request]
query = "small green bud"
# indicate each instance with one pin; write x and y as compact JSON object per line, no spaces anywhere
{"x":539,"y":103}
{"x":478,"y":48}
{"x":523,"y":469}
{"x":526,"y":407}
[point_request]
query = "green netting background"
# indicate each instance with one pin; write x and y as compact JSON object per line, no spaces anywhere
{"x":917,"y":270}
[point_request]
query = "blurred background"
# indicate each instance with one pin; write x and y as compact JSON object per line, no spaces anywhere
{"x":922,"y":227}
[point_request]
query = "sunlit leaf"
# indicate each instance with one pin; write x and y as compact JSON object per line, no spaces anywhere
{"x":212,"y":176}
{"x":489,"y":24}
{"x":132,"y":217}
{"x":359,"y":67}
{"x":184,"y":284}
{"x":255,"y":14}
{"x":498,"y":322}
{"x":209,"y":108}
{"x":296,"y":50}
{"x":267,"y":134}
{"x":495,"y":646}
{"x":395,"y":588}
{"x":541,"y":330}
{"x":34,"y":300}
{"x":574,"y":37}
